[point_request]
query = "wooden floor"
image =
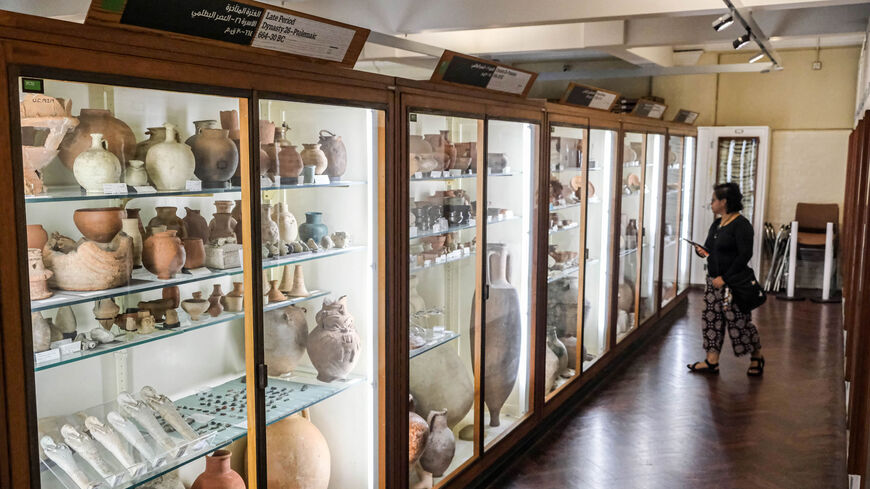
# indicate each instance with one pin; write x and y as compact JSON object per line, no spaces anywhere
{"x":653,"y":425}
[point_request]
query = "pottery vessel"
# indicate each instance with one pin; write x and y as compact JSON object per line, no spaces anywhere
{"x":419,"y":145}
{"x":133,"y":213}
{"x":221,"y":226}
{"x":562,"y":307}
{"x":297,"y":455}
{"x":119,"y":137}
{"x":65,"y":321}
{"x":131,"y":228}
{"x":156,"y":308}
{"x":496,"y":162}
{"x":170,"y":164}
{"x":442,"y":147}
{"x":41,"y":332}
{"x":555,"y":370}
{"x":40,"y":114}
{"x":96,"y":166}
{"x":216,"y":157}
{"x":105,"y":311}
{"x":313,"y":227}
{"x":195,"y":306}
{"x":100,"y":225}
{"x":308,"y":173}
{"x":286,"y":284}
{"x":37,"y":236}
{"x":466,"y":156}
{"x":288,"y":228}
{"x":225,"y":206}
{"x":163,"y":254}
{"x":285,"y":338}
{"x":275,"y":294}
{"x":625,"y":296}
{"x":88,"y":266}
{"x":237,"y":215}
{"x":336,"y":154}
{"x":194,"y":253}
{"x":268,"y":149}
{"x":340,"y":239}
{"x":38,"y":275}
{"x":312,"y":155}
{"x":156,"y":135}
{"x":418,"y":433}
{"x":230,"y":122}
{"x":268,"y":228}
{"x":135,"y":174}
{"x":289,"y":159}
{"x":166,"y":216}
{"x":298,"y":289}
{"x":173,"y":294}
{"x":441,"y":445}
{"x":215,"y":308}
{"x":234,"y":301}
{"x":218,"y":474}
{"x":334,"y":345}
{"x":503,"y":332}
{"x":198,"y":126}
{"x":196,"y":225}
{"x":570,"y":343}
{"x":439,"y":380}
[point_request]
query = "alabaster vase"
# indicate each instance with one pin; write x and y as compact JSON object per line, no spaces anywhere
{"x":170,"y":164}
{"x":440,"y":381}
{"x":336,"y":154}
{"x":285,"y":338}
{"x":297,"y":455}
{"x":156,"y":135}
{"x":135,"y":174}
{"x":268,"y":228}
{"x":334,"y":345}
{"x":218,"y":474}
{"x":288,"y":228}
{"x":503,"y":332}
{"x":86,"y":265}
{"x":96,"y":166}
{"x":119,"y":137}
{"x":163,"y":254}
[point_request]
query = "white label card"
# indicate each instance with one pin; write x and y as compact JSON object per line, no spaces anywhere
{"x":602,"y":100}
{"x":508,"y":80}
{"x":436,"y":174}
{"x":193,"y":186}
{"x":292,"y":34}
{"x":114,"y":188}
{"x":59,"y":343}
{"x":321,"y":179}
{"x":145,"y":189}
{"x":418,"y":175}
{"x":71,"y":347}
{"x":412,"y":231}
{"x":46,"y":356}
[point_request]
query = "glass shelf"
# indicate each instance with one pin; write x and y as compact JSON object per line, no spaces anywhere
{"x":142,"y":281}
{"x":75,"y":193}
{"x":448,"y":336}
{"x":566,"y":228}
{"x":563,"y":207}
{"x":415,"y":269}
{"x":562,"y":274}
{"x":295,"y":186}
{"x":567,"y":170}
{"x":308,"y":256}
{"x":456,"y":177}
{"x":460,"y":228}
{"x":130,"y":340}
{"x":314,"y":294}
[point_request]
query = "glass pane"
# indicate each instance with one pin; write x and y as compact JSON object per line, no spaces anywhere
{"x":738,"y":162}
{"x":319,"y":223}
{"x":597,"y":276}
{"x":670,"y":254}
{"x":136,"y":277}
{"x":632,"y":189}
{"x":687,"y":213}
{"x":443,"y":273}
{"x":652,"y":228}
{"x":564,"y":250}
{"x":511,"y":161}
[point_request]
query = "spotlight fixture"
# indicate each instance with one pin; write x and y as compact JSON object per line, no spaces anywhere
{"x":757,"y":57}
{"x":741,"y":41}
{"x":723,"y":22}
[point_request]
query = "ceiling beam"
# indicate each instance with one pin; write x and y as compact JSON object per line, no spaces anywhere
{"x":653,"y":70}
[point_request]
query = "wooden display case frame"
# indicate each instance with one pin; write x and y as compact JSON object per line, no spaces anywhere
{"x":33,"y":45}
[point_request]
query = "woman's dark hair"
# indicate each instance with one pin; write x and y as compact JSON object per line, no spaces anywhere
{"x":730,"y":193}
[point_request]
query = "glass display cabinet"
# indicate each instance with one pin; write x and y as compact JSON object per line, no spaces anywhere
{"x":672,"y":218}
{"x":319,"y":169}
{"x":134,"y":201}
{"x":630,"y":227}
{"x":687,"y":216}
{"x":651,"y":234}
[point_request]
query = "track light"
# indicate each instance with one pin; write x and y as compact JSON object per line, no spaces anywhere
{"x":757,"y":57}
{"x":741,"y":41}
{"x":723,"y":22}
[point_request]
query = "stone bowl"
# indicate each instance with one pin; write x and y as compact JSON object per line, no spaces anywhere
{"x":101,"y":224}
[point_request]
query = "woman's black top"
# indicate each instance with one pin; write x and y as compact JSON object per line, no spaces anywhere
{"x":730,"y":247}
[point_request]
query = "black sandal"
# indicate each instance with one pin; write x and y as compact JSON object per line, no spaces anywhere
{"x":711,"y":368}
{"x":757,"y":370}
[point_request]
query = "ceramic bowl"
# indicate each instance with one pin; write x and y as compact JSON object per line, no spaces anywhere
{"x":101,"y":224}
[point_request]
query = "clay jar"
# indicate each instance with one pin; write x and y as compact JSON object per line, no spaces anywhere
{"x":119,"y":137}
{"x":166,"y":216}
{"x":285,"y":338}
{"x":173,"y":294}
{"x":156,"y":135}
{"x":38,"y":275}
{"x":336,"y":154}
{"x":234,"y":301}
{"x":37,"y":236}
{"x":96,"y":166}
{"x":194,"y":250}
{"x":214,"y":302}
{"x":135,"y":174}
{"x":133,"y":213}
{"x":170,"y":164}
{"x":41,"y":332}
{"x":503,"y":332}
{"x":195,"y":306}
{"x":268,"y":227}
{"x":312,"y":155}
{"x":441,"y":445}
{"x":297,"y":455}
{"x":313,"y":227}
{"x":198,"y":126}
{"x":221,"y":226}
{"x":288,"y":228}
{"x":268,"y":150}
{"x":439,"y":380}
{"x":100,"y":225}
{"x":418,"y":433}
{"x":216,"y":157}
{"x":163,"y":254}
{"x":131,"y":228}
{"x":196,"y":225}
{"x":237,"y":216}
{"x":218,"y":474}
{"x":334,"y":345}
